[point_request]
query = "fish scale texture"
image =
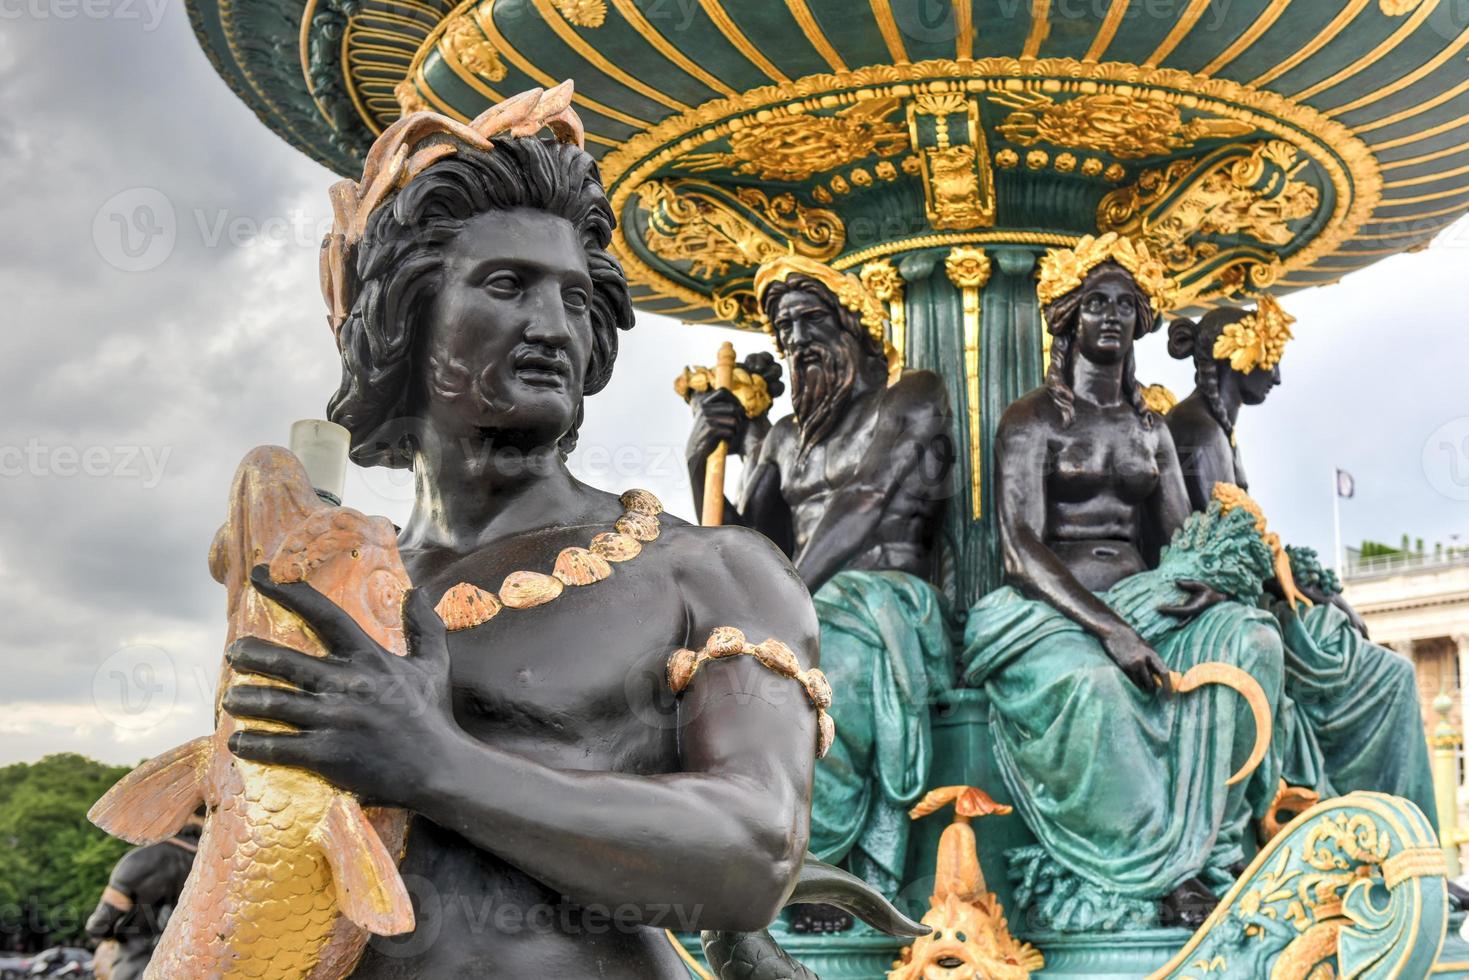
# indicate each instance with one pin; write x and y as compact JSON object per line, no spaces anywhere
{"x":265,"y":884}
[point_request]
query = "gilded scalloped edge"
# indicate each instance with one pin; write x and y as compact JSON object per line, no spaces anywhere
{"x":727,"y":641}
{"x":1360,"y":183}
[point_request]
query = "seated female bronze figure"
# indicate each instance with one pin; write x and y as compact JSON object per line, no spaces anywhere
{"x":578,"y":780}
{"x":1122,"y":783}
{"x":1351,"y":719}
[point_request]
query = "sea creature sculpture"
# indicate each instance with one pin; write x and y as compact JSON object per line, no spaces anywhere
{"x":292,"y":874}
{"x":970,"y":939}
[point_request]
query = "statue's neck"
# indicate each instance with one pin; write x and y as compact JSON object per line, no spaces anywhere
{"x":1100,"y":384}
{"x":468,"y":494}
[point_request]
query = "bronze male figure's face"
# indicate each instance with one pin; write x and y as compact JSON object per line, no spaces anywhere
{"x":508,"y":335}
{"x":823,"y":355}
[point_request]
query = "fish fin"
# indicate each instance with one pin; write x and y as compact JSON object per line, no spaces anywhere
{"x":370,"y":891}
{"x":153,"y":801}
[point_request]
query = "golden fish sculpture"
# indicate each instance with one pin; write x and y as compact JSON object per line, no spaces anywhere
{"x":292,"y":874}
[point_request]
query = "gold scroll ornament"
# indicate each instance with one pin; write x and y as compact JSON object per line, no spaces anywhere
{"x":958,"y":184}
{"x":713,"y":228}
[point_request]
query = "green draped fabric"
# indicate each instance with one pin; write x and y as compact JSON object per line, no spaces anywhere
{"x":885,"y":647}
{"x":1360,"y":702}
{"x":1123,"y":788}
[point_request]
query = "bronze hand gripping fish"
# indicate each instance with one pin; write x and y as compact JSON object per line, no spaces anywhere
{"x":292,"y":874}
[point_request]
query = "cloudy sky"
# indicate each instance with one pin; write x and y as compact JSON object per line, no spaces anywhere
{"x":132,"y":382}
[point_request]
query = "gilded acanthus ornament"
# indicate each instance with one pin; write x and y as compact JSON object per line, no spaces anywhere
{"x":1258,"y":340}
{"x":794,"y":147}
{"x":1063,"y":269}
{"x":1127,"y":126}
{"x":1348,"y":889}
{"x":465,"y":43}
{"x":1236,"y":192}
{"x":712,"y":227}
{"x":583,"y":13}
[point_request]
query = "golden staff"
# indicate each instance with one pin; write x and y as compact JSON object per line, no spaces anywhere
{"x":754,"y":397}
{"x":724,"y":363}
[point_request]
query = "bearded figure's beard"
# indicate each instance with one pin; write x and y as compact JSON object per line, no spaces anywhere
{"x":821,"y":384}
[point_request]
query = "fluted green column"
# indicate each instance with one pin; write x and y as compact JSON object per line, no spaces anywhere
{"x":986,"y":361}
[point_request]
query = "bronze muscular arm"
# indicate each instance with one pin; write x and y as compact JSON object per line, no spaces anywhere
{"x":719,"y":417}
{"x":722,"y":840}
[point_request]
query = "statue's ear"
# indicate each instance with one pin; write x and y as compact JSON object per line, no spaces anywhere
{"x":1182,"y":334}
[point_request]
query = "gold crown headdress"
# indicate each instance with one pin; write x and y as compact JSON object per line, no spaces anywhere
{"x":1258,"y":340}
{"x":1064,"y":269}
{"x":847,"y":288}
{"x":404,"y":150}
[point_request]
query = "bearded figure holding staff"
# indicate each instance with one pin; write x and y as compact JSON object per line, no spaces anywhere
{"x":852,"y":487}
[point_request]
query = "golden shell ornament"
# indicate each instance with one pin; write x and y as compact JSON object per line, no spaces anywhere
{"x":466,"y":606}
{"x":641,"y":502}
{"x":727,"y":641}
{"x":578,"y":566}
{"x":616,"y":546}
{"x":638,"y":525}
{"x":526,"y":590}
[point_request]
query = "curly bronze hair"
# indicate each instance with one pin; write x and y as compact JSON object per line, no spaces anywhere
{"x":1061,"y":320}
{"x":398,"y":265}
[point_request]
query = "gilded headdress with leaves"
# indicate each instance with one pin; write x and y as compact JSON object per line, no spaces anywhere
{"x":404,"y":150}
{"x":1258,"y":340}
{"x":848,"y":290}
{"x":1063,"y":270}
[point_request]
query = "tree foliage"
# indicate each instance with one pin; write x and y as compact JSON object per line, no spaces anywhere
{"x":53,"y":862}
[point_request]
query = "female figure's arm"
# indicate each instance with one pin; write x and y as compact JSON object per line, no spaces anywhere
{"x":1020,"y":461}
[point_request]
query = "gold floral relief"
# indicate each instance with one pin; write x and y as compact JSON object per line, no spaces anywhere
{"x":583,"y":13}
{"x":466,"y":44}
{"x":795,"y":147}
{"x":1129,"y":127}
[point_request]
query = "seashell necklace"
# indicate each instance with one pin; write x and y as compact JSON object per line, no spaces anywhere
{"x":466,"y":606}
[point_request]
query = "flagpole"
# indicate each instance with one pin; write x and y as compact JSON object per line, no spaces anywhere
{"x":1341,"y":568}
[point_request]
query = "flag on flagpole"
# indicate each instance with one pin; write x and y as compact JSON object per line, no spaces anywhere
{"x":1345,"y":485}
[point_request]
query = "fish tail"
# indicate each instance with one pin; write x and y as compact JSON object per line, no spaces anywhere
{"x":153,"y":801}
{"x":370,"y":891}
